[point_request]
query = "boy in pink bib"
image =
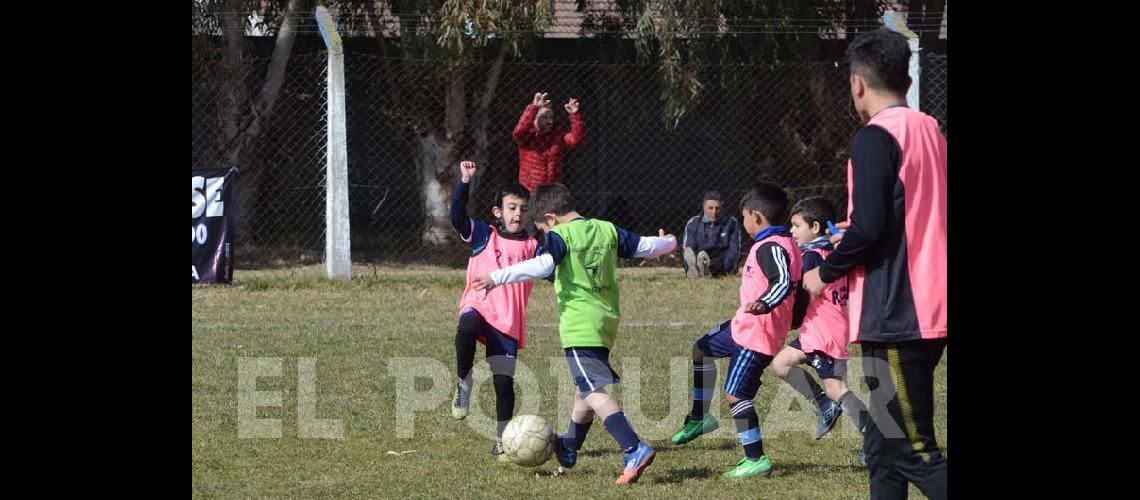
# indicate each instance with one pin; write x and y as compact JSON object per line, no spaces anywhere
{"x":822,"y":324}
{"x":495,"y":318}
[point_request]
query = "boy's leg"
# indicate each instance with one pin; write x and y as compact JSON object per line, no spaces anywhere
{"x":471,"y":326}
{"x":609,"y":412}
{"x":592,"y":372}
{"x":740,"y":389}
{"x":566,"y":446}
{"x":717,"y":343}
{"x":502,"y":355}
{"x":638,"y":454}
{"x":837,"y":391}
{"x":705,"y":351}
{"x":581,"y":418}
{"x":786,"y":366}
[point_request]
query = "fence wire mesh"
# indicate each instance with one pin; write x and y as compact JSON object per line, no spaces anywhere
{"x":280,"y":193}
{"x":790,"y":124}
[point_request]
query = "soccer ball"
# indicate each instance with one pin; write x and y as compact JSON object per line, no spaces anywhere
{"x":528,"y":440}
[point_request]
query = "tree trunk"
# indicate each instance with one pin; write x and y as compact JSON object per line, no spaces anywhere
{"x":241,"y":129}
{"x":262,"y":108}
{"x":482,"y":144}
{"x":433,"y":156}
{"x":231,"y":100}
{"x":233,"y":82}
{"x":436,"y":157}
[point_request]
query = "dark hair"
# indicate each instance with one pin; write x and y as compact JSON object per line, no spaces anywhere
{"x":510,"y":189}
{"x":712,"y":195}
{"x":551,"y":199}
{"x":815,"y":209}
{"x":768,"y":199}
{"x":882,"y":58}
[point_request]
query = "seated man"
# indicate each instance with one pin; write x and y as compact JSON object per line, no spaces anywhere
{"x":712,"y":242}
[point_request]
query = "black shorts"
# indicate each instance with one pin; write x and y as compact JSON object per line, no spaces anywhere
{"x":825,"y":366}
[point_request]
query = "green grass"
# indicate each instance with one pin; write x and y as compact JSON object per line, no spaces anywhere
{"x":356,"y":331}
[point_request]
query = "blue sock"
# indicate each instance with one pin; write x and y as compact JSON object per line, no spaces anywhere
{"x":576,"y":434}
{"x":704,"y":380}
{"x":621,"y":431}
{"x":748,"y":429}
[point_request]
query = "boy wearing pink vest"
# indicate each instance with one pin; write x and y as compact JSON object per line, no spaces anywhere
{"x":893,"y":255}
{"x":495,"y":318}
{"x":822,"y":324}
{"x":770,"y":276}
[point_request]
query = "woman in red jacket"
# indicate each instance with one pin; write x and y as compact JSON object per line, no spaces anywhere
{"x":541,"y":142}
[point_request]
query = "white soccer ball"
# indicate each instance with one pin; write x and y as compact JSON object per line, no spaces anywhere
{"x":528,"y":440}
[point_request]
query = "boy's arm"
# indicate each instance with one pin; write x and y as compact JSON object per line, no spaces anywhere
{"x":538,"y":251}
{"x":775,"y":264}
{"x":464,"y":225}
{"x":799,"y":309}
{"x":527,"y":270}
{"x":459,"y":220}
{"x":635,"y":246}
{"x":531,"y":269}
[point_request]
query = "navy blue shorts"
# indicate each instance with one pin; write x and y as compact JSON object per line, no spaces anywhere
{"x":502,"y":351}
{"x":591,"y":368}
{"x":745,"y":367}
{"x":825,"y":366}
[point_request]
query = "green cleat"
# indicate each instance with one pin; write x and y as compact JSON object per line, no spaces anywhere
{"x":750,"y":468}
{"x":694,"y":429}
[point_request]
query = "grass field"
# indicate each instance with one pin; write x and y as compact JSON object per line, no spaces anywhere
{"x":365,"y":338}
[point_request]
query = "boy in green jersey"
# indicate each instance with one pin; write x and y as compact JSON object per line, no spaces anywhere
{"x":583,"y":255}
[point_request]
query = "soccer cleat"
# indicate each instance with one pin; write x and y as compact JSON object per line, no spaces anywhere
{"x":694,"y":429}
{"x":703,"y":264}
{"x":497,"y":452}
{"x":462,"y":398}
{"x":690,"y":263}
{"x":635,"y":463}
{"x":566,"y":457}
{"x":828,"y":416}
{"x":750,"y":468}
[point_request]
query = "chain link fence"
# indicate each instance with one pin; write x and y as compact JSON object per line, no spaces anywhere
{"x":280,"y":194}
{"x":790,"y":124}
{"x":932,"y":95}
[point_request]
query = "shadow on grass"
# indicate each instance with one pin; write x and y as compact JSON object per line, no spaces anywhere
{"x":792,"y":468}
{"x":676,"y":476}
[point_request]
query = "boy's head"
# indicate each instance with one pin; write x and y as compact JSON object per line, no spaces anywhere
{"x":550,"y":201}
{"x":711,"y":204}
{"x":544,"y":119}
{"x":809,"y":218}
{"x":880,"y":65}
{"x":511,"y":205}
{"x":764,"y":205}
